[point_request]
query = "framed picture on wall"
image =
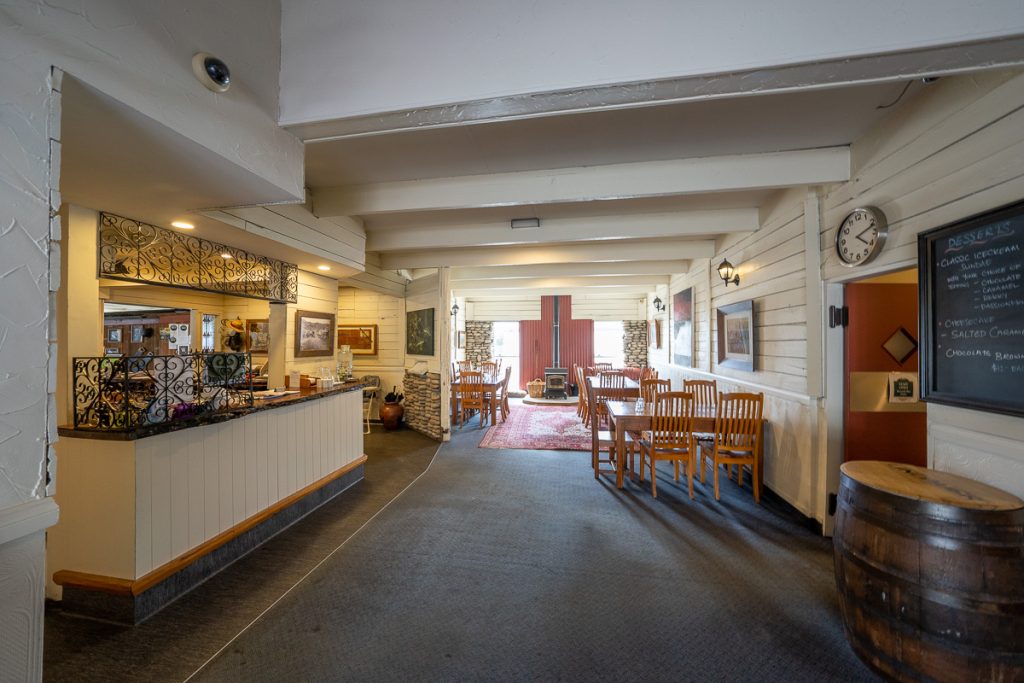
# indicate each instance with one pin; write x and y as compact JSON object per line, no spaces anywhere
{"x":737,"y":344}
{"x":419,"y":332}
{"x":114,"y":335}
{"x":314,"y":334}
{"x":257,"y":335}
{"x":136,"y":334}
{"x":362,"y":339}
{"x":682,"y":328}
{"x":460,"y":341}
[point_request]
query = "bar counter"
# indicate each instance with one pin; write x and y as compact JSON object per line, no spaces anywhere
{"x":212,"y":418}
{"x":147,"y":515}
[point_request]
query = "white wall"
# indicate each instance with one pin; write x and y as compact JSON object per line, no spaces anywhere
{"x":317,"y":294}
{"x":366,"y":307}
{"x":952,"y":151}
{"x":585,"y":306}
{"x":956,"y":150}
{"x":396,"y":54}
{"x":140,"y":54}
{"x":423,"y":293}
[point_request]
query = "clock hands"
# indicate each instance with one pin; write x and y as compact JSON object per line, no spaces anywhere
{"x":868,"y":229}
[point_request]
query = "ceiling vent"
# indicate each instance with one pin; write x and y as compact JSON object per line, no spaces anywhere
{"x":523,"y":223}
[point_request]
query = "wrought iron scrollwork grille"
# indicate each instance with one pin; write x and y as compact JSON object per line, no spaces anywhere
{"x":124,"y":394}
{"x":140,"y":252}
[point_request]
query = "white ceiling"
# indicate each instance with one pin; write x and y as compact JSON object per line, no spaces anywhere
{"x":368,"y":169}
{"x":117,"y":160}
{"x":738,"y":125}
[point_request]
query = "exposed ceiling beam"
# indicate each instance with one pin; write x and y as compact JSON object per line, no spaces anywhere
{"x":843,"y":71}
{"x":565,"y":282}
{"x":570,"y":270}
{"x":634,"y":226}
{"x":489,"y":293}
{"x":615,"y":181}
{"x":637,"y":250}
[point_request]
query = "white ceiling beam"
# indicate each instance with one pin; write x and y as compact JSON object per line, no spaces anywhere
{"x":570,"y":270}
{"x":489,"y":293}
{"x":673,"y":224}
{"x":590,"y":183}
{"x":565,"y":282}
{"x":638,"y":250}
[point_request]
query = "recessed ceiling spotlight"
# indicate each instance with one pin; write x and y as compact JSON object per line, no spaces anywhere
{"x":182,"y":224}
{"x":324,"y":267}
{"x":226,"y":255}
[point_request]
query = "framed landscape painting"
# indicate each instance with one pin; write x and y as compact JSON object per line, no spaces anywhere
{"x":736,"y":341}
{"x":257,"y":335}
{"x":419,"y":332}
{"x":682,"y":328}
{"x":314,"y":334}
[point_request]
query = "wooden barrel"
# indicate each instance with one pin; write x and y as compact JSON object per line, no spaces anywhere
{"x":930,"y":573}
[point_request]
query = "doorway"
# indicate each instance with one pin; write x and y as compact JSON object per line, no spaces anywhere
{"x":883,"y":420}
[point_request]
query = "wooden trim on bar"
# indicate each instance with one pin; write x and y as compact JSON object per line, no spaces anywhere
{"x":118,"y":586}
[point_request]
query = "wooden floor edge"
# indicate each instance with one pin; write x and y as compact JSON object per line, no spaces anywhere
{"x":118,"y":586}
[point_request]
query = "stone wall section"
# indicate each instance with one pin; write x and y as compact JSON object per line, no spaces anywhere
{"x":634,"y":342}
{"x":479,"y":340}
{"x":423,"y":403}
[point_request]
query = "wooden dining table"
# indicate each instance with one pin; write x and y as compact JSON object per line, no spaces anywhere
{"x":490,"y":386}
{"x":623,"y":417}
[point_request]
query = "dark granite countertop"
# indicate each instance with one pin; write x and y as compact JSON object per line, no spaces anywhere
{"x":214,"y":418}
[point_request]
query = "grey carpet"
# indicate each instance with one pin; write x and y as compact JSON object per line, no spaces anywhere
{"x":518,"y":565}
{"x":173,"y":644}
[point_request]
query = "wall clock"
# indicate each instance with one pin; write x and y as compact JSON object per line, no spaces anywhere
{"x":861,"y":236}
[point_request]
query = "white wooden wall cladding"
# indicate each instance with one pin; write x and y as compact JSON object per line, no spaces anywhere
{"x":129,"y":507}
{"x":193,"y":484}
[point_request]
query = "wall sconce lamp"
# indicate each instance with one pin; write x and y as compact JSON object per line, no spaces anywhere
{"x":728,"y":273}
{"x":658,"y":306}
{"x":455,"y":309}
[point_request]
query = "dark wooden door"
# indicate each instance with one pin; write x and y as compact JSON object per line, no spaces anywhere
{"x":876,"y":312}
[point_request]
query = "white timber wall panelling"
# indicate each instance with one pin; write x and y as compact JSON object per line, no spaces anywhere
{"x":140,"y":504}
{"x":319,"y":294}
{"x":362,"y":307}
{"x":772,"y":273}
{"x":955,"y":150}
{"x":585,"y":306}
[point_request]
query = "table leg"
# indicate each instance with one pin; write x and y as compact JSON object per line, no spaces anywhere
{"x":620,"y":452}
{"x":494,"y":401}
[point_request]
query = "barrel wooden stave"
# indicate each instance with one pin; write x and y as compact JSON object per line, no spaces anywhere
{"x":929,"y":590}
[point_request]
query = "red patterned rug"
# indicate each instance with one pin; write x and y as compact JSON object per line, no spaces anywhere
{"x":544,"y":428}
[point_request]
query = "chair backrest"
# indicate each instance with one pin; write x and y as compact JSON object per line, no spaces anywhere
{"x":648,"y":372}
{"x":602,"y":367}
{"x":738,"y":421}
{"x":581,"y":382}
{"x":612,"y":380}
{"x":471,"y":387}
{"x":508,"y":376}
{"x":465,"y":366}
{"x":672,"y":423}
{"x":704,"y":390}
{"x":489,"y":368}
{"x":649,"y":388}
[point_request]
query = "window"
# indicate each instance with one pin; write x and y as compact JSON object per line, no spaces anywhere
{"x":608,"y":347}
{"x":506,"y":347}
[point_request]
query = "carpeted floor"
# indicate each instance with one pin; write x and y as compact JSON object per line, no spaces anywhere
{"x":538,"y":428}
{"x":178,"y":640}
{"x":492,"y":567}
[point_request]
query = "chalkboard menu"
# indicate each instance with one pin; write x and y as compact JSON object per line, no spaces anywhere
{"x":972,"y":312}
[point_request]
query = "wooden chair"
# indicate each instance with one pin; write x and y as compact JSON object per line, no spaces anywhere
{"x":704,"y":392}
{"x":650,"y":388}
{"x":670,"y":438}
{"x":582,"y":406}
{"x":647,"y":372}
{"x":614,"y":380}
{"x":602,"y":367}
{"x":489,"y":369}
{"x":465,"y":366}
{"x":471,"y":395}
{"x":602,"y":440}
{"x":503,"y":395}
{"x":737,"y":438}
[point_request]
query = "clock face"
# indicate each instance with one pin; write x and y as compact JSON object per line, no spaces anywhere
{"x":860,"y":236}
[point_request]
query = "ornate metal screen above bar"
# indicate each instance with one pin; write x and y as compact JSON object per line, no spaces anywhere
{"x":139,"y":252}
{"x":125,"y":394}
